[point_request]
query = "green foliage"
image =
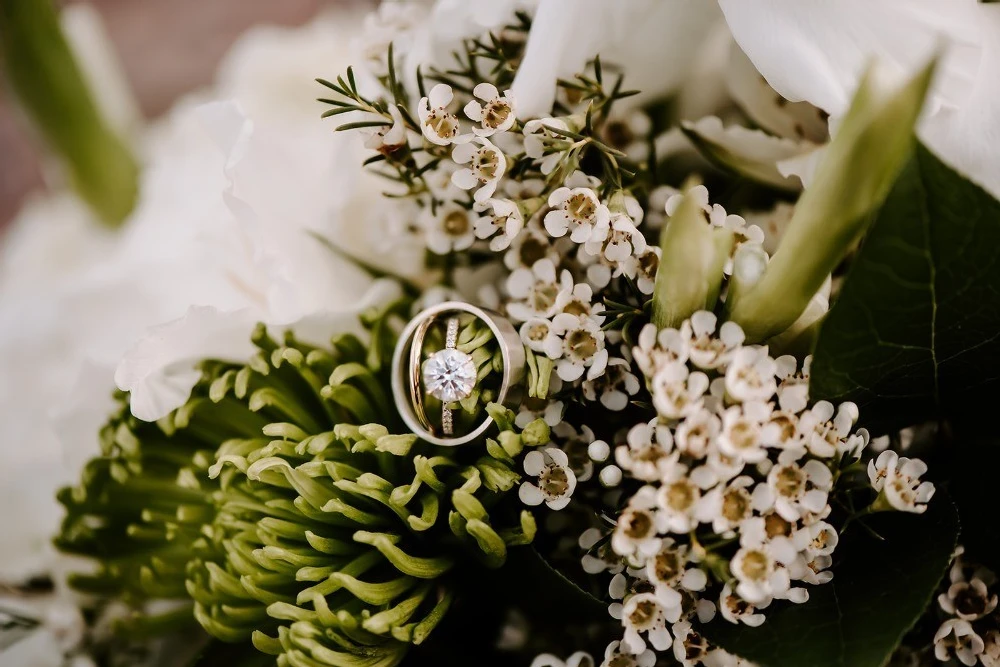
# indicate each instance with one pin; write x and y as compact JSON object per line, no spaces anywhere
{"x":43,"y":73}
{"x":279,"y":502}
{"x":914,"y":333}
{"x":883,"y":582}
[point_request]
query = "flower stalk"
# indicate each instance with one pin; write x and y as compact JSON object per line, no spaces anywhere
{"x":857,"y":171}
{"x":51,"y":87}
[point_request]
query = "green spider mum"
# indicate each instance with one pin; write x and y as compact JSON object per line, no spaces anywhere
{"x":285,"y":506}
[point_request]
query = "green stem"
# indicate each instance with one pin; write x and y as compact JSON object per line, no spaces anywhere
{"x":48,"y":82}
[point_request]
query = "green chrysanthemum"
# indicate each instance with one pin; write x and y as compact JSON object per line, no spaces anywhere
{"x":285,"y":504}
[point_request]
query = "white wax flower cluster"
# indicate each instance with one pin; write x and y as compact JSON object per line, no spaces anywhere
{"x":737,"y":474}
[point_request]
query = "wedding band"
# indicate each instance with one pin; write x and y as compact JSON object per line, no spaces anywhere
{"x":449,"y":374}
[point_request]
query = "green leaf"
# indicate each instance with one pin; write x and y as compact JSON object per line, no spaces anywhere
{"x":977,"y":460}
{"x":916,"y":329}
{"x":232,"y":655}
{"x":879,"y":590}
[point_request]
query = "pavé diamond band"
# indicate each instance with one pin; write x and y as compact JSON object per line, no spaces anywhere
{"x":450,"y":374}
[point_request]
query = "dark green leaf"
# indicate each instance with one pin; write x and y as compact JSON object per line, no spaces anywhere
{"x":879,"y":590}
{"x":973,"y":486}
{"x":916,"y":328}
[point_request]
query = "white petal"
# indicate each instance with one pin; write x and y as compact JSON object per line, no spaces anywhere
{"x":534,"y":461}
{"x":530,"y":494}
{"x":486,"y":91}
{"x":440,"y":95}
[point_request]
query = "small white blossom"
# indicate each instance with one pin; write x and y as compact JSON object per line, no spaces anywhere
{"x":615,"y":386}
{"x":439,"y":125}
{"x":697,"y":432}
{"x":737,"y":610}
{"x":635,"y":535}
{"x":547,"y":410}
{"x":530,"y":246}
{"x":706,"y":350}
{"x":968,"y":600}
{"x":579,"y":212}
{"x":642,"y":267}
{"x":616,"y":656}
{"x":678,"y":392}
{"x":583,"y":347}
{"x":824,"y":434}
{"x":534,"y":291}
{"x":898,"y":480}
{"x":690,"y":647}
{"x":796,"y":490}
{"x":730,"y":505}
{"x":760,"y":565}
{"x":644,"y":615}
{"x":537,"y":335}
{"x":577,"y":299}
{"x":578,"y":659}
{"x":743,"y":429}
{"x":628,"y":133}
{"x":487,"y":165}
{"x":658,"y":348}
{"x":618,"y":241}
{"x":750,"y":375}
{"x":389,"y":138}
{"x":556,"y":480}
{"x":956,"y":638}
{"x":668,"y":571}
{"x":679,"y":499}
{"x":647,"y":452}
{"x":449,"y":229}
{"x":496,"y":112}
{"x":501,"y":222}
{"x":537,"y":139}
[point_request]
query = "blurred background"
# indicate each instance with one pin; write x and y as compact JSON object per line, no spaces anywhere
{"x":166,"y":48}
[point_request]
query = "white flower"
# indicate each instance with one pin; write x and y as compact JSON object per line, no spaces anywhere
{"x":759,"y":565}
{"x":643,"y":614}
{"x":830,"y":47}
{"x":449,"y":229}
{"x":956,"y":638}
{"x":577,"y":299}
{"x":615,"y":386}
{"x":579,"y":212}
{"x":902,"y":489}
{"x":621,"y":240}
{"x":750,"y":375}
{"x":534,"y":291}
{"x":678,"y":392}
{"x":389,"y":138}
{"x":578,"y":659}
{"x":668,"y":571}
{"x":728,"y":506}
{"x":796,"y":490}
{"x":697,"y":432}
{"x":647,"y":452}
{"x":615,"y":656}
{"x":642,"y":267}
{"x":743,"y":430}
{"x":439,"y":125}
{"x":556,"y":481}
{"x":706,"y":350}
{"x":823,"y":434}
{"x":576,"y":444}
{"x":530,"y":246}
{"x":968,"y":600}
{"x":679,"y":498}
{"x":635,"y":536}
{"x":496,"y":115}
{"x":487,"y":165}
{"x":538,"y":336}
{"x":501,"y":223}
{"x":690,"y":647}
{"x":629,"y":133}
{"x":583,"y":347}
{"x":737,"y":610}
{"x":537,"y":139}
{"x":549,"y":411}
{"x":658,"y":348}
{"x":599,"y":556}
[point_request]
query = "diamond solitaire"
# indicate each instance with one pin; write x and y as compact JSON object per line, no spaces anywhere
{"x":449,"y":375}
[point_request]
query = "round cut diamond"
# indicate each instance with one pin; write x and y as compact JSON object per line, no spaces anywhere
{"x":449,"y":375}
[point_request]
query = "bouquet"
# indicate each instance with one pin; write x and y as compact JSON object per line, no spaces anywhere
{"x":675,"y":349}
